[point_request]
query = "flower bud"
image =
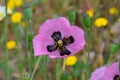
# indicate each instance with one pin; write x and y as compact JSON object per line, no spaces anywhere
{"x":72,"y":16}
{"x":87,"y":21}
{"x":28,"y":11}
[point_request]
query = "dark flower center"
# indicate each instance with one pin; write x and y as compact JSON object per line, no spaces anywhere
{"x":116,"y":77}
{"x":60,"y":43}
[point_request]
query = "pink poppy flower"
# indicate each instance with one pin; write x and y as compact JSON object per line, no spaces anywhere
{"x":112,"y":72}
{"x":57,"y":38}
{"x":98,"y":73}
{"x":107,"y":73}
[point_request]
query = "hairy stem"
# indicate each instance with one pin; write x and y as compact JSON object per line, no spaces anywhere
{"x":88,"y":55}
{"x":35,"y":68}
{"x":6,"y":51}
{"x":58,"y":69}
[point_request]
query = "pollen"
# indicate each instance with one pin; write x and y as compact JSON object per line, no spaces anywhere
{"x":60,"y":43}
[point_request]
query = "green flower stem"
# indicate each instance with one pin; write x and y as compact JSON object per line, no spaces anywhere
{"x":3,"y":34}
{"x":65,"y":74}
{"x":17,"y":32}
{"x":26,"y":33}
{"x":29,"y":33}
{"x":110,"y":57}
{"x":87,"y":24}
{"x":88,"y":47}
{"x":64,"y":66}
{"x":35,"y":68}
{"x":45,"y":67}
{"x":58,"y":69}
{"x":30,"y":36}
{"x":6,"y":51}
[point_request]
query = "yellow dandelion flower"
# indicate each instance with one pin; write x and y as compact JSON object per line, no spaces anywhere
{"x":101,"y":22}
{"x":15,"y":3}
{"x":90,"y":12}
{"x":18,"y":3}
{"x":11,"y":44}
{"x":2,"y":13}
{"x":11,"y":4}
{"x":16,"y":17}
{"x":113,"y":11}
{"x":71,"y":60}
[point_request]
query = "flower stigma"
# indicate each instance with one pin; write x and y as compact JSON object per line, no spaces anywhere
{"x":60,"y":42}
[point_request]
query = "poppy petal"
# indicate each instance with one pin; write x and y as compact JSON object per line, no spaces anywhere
{"x":54,"y":25}
{"x":112,"y":71}
{"x":40,"y":44}
{"x":98,"y":73}
{"x":79,"y":40}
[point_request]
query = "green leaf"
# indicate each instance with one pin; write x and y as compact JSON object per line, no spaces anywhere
{"x":77,"y":69}
{"x":114,"y":48}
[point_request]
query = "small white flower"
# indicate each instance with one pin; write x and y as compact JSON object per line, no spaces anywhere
{"x":2,"y":13}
